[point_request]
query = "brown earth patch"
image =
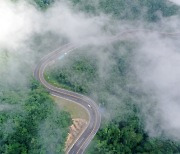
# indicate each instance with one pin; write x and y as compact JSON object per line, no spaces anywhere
{"x":75,"y":131}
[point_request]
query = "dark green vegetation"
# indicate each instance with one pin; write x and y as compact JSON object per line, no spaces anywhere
{"x":149,"y":10}
{"x":84,"y":69}
{"x":30,"y":122}
{"x":43,"y":3}
{"x":114,"y":85}
{"x":128,"y":137}
{"x":36,"y":126}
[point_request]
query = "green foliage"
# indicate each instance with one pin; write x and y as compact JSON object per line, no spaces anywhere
{"x":80,"y":73}
{"x":149,"y":10}
{"x":34,"y":84}
{"x":53,"y":133}
{"x":125,"y":132}
{"x":84,"y":69}
{"x":21,"y":129}
{"x":128,"y":137}
{"x":161,"y":6}
{"x":43,"y":3}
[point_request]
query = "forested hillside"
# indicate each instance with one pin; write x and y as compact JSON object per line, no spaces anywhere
{"x":118,"y":92}
{"x":148,"y":10}
{"x":30,"y":122}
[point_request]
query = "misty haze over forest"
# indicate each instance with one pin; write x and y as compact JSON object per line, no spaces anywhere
{"x":137,"y":75}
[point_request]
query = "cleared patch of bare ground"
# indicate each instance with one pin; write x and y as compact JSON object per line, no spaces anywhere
{"x":76,"y":130}
{"x":79,"y":116}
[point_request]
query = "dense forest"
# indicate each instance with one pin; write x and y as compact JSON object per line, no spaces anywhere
{"x":148,"y":10}
{"x":117,"y":93}
{"x":30,"y":122}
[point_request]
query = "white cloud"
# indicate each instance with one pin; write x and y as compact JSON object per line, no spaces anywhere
{"x":77,"y":26}
{"x":175,"y":1}
{"x":157,"y":65}
{"x":17,"y":22}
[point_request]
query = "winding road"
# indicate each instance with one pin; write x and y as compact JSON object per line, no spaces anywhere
{"x":93,"y":110}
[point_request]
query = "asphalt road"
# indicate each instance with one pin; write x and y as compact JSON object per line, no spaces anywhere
{"x":93,"y":110}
